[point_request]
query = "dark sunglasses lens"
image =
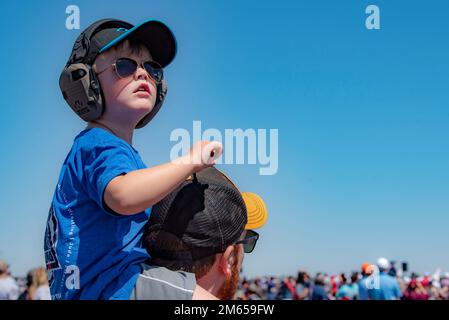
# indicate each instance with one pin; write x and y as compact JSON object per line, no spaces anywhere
{"x":249,"y":247}
{"x":154,"y":69}
{"x":125,"y":67}
{"x":251,"y":239}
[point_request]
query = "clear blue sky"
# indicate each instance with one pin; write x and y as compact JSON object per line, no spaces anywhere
{"x":363,"y":120}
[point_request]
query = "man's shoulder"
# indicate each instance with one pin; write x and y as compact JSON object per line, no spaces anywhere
{"x":157,"y":282}
{"x":153,"y":272}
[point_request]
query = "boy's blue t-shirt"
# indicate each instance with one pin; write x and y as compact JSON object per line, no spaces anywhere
{"x":90,"y":251}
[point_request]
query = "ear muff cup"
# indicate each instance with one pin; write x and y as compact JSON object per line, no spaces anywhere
{"x":81,"y":89}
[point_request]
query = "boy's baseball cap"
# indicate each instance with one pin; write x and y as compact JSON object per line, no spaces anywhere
{"x":155,"y":35}
{"x":207,"y":212}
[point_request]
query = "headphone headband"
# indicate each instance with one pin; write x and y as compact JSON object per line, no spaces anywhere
{"x":83,"y":51}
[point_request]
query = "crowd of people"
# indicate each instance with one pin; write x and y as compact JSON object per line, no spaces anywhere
{"x":379,"y":281}
{"x":33,"y":287}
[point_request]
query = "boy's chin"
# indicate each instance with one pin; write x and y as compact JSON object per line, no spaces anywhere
{"x":142,"y":107}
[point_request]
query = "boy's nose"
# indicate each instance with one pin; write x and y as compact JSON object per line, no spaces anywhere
{"x":142,"y":74}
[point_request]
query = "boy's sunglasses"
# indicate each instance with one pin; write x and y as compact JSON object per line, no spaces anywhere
{"x":125,"y":67}
{"x":249,"y":243}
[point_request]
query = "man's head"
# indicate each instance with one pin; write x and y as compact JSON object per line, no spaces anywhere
{"x":205,"y":226}
{"x":118,"y":65}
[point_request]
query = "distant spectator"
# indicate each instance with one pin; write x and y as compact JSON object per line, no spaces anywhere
{"x":303,"y":286}
{"x":272,"y":287}
{"x":388,"y":285}
{"x":367,"y":269}
{"x":39,"y":289}
{"x":254,"y":292}
{"x":333,"y":283}
{"x":25,"y":295}
{"x":288,"y":290}
{"x":426,"y":281}
{"x":415,"y":291}
{"x":9,"y":290}
{"x":348,"y":291}
{"x":392,"y":269}
{"x":319,"y":291}
{"x":443,"y":293}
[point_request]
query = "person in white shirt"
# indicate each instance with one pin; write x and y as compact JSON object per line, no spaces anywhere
{"x":9,"y":290}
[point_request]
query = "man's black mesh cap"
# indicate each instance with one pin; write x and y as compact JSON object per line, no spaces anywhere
{"x":206,"y":212}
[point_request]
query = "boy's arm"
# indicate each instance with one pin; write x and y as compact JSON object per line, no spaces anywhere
{"x":138,"y":190}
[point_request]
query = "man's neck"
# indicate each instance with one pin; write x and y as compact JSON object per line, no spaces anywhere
{"x":202,"y":294}
{"x":125,"y":133}
{"x":209,"y":282}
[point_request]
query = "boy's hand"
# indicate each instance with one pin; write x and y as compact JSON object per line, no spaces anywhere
{"x":203,"y":154}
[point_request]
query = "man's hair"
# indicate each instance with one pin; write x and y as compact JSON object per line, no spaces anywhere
{"x":164,"y":240}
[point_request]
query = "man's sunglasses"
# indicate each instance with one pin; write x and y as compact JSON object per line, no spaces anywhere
{"x":125,"y":67}
{"x":249,"y":243}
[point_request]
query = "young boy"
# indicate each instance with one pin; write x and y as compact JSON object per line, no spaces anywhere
{"x":105,"y":192}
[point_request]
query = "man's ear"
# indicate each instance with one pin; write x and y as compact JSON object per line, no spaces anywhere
{"x":226,"y":261}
